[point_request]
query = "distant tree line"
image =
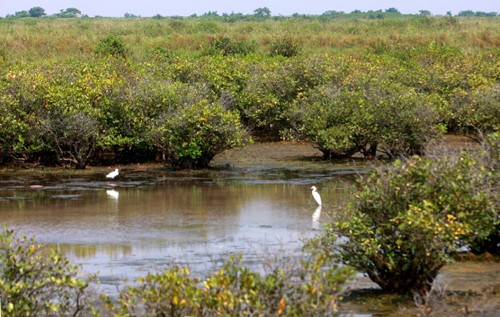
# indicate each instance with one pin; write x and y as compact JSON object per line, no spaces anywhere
{"x":38,"y":12}
{"x":470,"y":13}
{"x":259,"y":13}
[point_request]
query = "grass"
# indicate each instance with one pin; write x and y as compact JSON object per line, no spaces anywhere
{"x":37,"y":40}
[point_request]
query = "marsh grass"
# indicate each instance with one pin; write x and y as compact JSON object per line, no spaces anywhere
{"x":38,"y":40}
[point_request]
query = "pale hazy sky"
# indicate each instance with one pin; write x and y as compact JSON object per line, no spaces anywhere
{"x":148,"y":8}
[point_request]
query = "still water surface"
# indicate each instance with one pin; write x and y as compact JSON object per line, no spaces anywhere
{"x":147,"y":220}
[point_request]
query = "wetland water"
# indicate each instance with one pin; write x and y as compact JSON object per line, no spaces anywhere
{"x":146,"y":220}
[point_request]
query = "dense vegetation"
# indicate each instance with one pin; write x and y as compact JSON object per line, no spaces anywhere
{"x":80,"y":91}
{"x":100,"y":91}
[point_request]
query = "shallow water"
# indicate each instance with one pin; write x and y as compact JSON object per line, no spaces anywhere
{"x":146,"y":220}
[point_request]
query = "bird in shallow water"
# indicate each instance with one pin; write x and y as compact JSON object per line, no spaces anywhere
{"x":316,"y":195}
{"x":113,"y":174}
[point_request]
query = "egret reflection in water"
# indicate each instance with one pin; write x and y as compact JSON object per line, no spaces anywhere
{"x":315,"y":218}
{"x":112,"y":193}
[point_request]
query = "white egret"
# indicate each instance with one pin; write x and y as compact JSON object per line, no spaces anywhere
{"x":316,"y":195}
{"x":112,"y":174}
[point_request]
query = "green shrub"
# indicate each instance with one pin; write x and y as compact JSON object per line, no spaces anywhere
{"x":111,"y":45}
{"x":407,"y":220}
{"x":22,"y":100}
{"x":72,"y":135}
{"x":464,"y":86}
{"x":285,"y":45}
{"x":37,"y":282}
{"x":402,"y":121}
{"x":366,"y":116}
{"x":190,"y":135}
{"x":414,"y":83}
{"x":131,"y":97}
{"x":273,"y":88}
{"x":169,"y":293}
{"x":476,"y":111}
{"x":13,"y":135}
{"x":490,"y":159}
{"x":223,"y":76}
{"x":333,"y":119}
{"x":225,"y":46}
{"x":305,"y":289}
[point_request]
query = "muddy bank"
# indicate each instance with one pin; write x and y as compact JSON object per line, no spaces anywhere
{"x":304,"y":153}
{"x":266,"y":154}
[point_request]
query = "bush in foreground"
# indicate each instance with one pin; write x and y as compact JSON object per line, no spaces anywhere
{"x":407,"y":220}
{"x":35,"y":281}
{"x":304,"y":289}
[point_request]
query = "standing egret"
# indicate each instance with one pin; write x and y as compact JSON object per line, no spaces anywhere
{"x":112,"y":174}
{"x":316,"y":195}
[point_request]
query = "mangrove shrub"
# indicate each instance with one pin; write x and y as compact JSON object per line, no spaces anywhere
{"x":490,"y":159}
{"x":407,"y":220}
{"x":299,"y":289}
{"x":189,"y":136}
{"x":35,"y":281}
{"x":366,"y":117}
{"x":72,"y":136}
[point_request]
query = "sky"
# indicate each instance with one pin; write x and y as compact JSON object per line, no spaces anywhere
{"x":149,"y":8}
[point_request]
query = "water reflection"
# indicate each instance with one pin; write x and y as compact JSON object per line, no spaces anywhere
{"x":146,"y":222}
{"x":315,"y":218}
{"x":112,"y":193}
